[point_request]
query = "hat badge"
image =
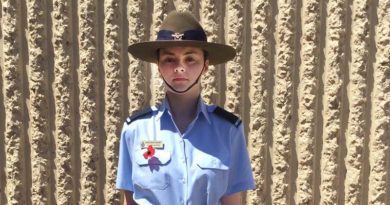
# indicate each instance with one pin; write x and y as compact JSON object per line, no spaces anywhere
{"x":177,"y":36}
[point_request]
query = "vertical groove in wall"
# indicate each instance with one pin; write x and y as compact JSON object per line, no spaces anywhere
{"x":319,"y":121}
{"x":38,"y":78}
{"x":246,"y":73}
{"x":380,"y":131}
{"x":137,"y":69}
{"x":14,"y":128}
{"x":184,"y":5}
{"x":372,"y":22}
{"x":344,"y":111}
{"x":259,"y":94}
{"x":234,"y":37}
{"x":88,"y":107}
{"x":221,"y":75}
{"x":24,"y":52}
{"x":159,"y":11}
{"x":113,"y":120}
{"x":49,"y":69}
{"x":308,"y":92}
{"x":2,"y":142}
{"x":63,"y":93}
{"x":124,"y":58}
{"x":75,"y":101}
{"x":209,"y":18}
{"x":2,"y":115}
{"x":332,"y":101}
{"x":356,"y":132}
{"x":283,"y":101}
{"x":100,"y":100}
{"x":270,"y":101}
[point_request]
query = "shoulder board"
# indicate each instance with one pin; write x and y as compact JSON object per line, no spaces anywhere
{"x":227,"y":115}
{"x":138,"y":115}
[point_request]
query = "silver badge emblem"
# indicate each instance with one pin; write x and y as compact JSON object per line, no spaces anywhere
{"x":177,"y":36}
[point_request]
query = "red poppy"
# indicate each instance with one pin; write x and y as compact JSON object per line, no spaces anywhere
{"x":150,"y":152}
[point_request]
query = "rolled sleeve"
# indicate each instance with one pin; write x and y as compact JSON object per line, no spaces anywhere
{"x":240,"y":171}
{"x":124,"y":174}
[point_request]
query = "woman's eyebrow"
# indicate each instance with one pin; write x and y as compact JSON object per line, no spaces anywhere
{"x":163,"y":52}
{"x":189,"y":52}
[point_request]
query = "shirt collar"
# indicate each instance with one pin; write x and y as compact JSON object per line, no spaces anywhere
{"x":201,"y":108}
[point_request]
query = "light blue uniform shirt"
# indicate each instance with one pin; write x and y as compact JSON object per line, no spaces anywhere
{"x":200,"y":166}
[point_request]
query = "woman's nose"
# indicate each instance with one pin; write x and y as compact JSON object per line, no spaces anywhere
{"x":179,"y":69}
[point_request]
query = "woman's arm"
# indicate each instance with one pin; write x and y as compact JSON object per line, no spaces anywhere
{"x":128,"y":198}
{"x":234,"y":199}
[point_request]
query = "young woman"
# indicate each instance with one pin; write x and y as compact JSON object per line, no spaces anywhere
{"x":183,"y":151}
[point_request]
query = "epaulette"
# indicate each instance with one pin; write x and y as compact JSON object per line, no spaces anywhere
{"x":227,"y":115}
{"x":138,"y":115}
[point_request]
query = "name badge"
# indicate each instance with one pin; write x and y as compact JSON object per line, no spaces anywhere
{"x":155,"y":144}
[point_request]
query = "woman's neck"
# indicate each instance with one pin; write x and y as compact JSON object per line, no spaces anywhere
{"x":183,"y":105}
{"x":183,"y":109}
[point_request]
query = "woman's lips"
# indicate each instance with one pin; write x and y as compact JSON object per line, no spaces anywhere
{"x":180,"y":79}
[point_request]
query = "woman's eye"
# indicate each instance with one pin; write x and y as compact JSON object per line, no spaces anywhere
{"x":190,"y":60}
{"x":168,"y":60}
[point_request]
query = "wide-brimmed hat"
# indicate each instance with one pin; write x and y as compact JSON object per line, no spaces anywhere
{"x":182,"y":29}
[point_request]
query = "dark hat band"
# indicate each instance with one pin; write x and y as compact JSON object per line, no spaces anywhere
{"x":194,"y":35}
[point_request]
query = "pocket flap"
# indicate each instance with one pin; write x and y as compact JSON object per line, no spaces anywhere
{"x":160,"y":157}
{"x":211,"y":162}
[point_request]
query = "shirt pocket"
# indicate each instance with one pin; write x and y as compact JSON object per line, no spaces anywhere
{"x":212,"y":163}
{"x":151,"y":173}
{"x":214,"y":172}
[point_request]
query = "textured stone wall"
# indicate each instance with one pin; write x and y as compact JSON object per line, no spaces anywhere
{"x":311,"y":81}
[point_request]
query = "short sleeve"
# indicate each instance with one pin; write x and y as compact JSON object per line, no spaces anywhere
{"x":240,"y":171}
{"x":124,"y":173}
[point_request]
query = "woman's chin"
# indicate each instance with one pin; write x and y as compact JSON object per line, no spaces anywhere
{"x":179,"y":91}
{"x":181,"y":88}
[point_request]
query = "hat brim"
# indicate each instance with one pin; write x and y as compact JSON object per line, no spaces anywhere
{"x":217,"y":53}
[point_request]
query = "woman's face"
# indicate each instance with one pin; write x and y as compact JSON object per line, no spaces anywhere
{"x":181,"y":66}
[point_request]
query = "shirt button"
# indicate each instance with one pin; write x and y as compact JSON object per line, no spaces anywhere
{"x":181,"y":201}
